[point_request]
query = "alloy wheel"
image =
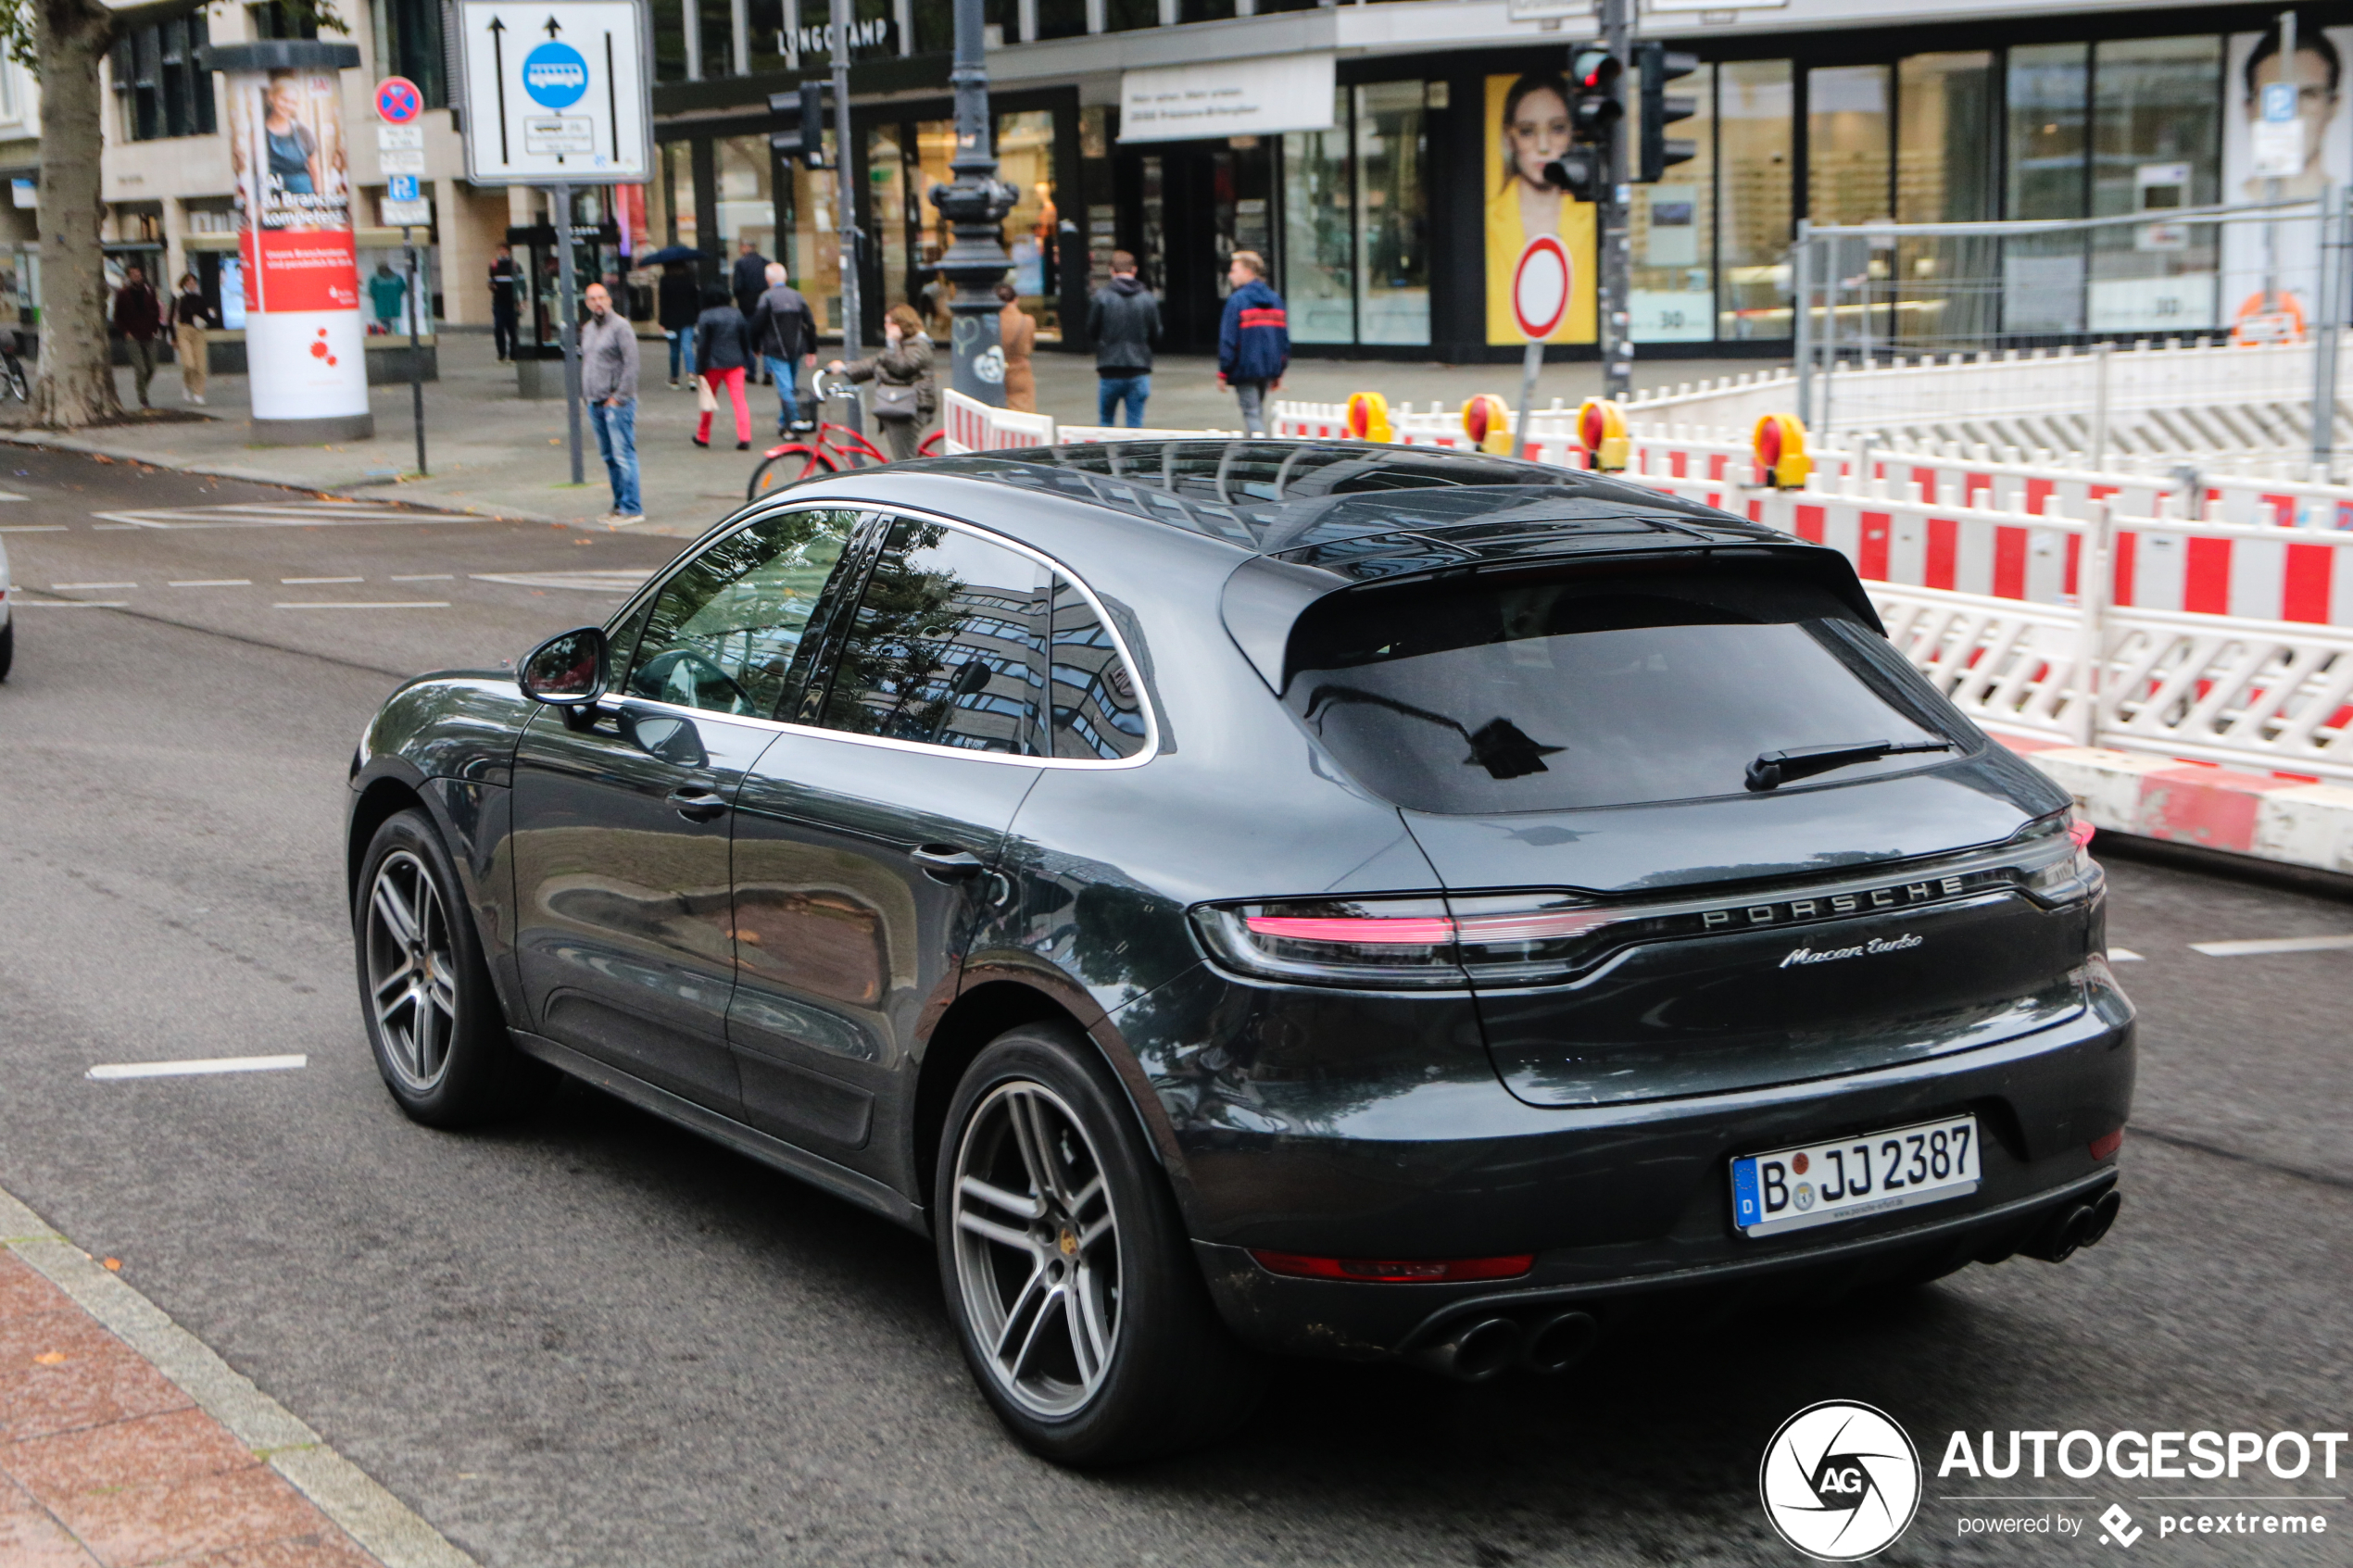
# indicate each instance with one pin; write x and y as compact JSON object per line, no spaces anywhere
{"x":412,"y":971}
{"x":1036,"y":1247}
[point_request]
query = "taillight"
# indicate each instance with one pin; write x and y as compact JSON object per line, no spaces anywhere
{"x":2057,"y":867}
{"x":1395,"y":1270}
{"x":1406,"y":942}
{"x":2108,"y":1144}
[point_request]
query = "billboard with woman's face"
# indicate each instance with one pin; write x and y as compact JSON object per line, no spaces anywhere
{"x":1526,"y":128}
{"x":2288,"y":255}
{"x":303,"y":339}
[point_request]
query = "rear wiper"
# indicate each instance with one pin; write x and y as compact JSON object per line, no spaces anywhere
{"x":1775,"y":768}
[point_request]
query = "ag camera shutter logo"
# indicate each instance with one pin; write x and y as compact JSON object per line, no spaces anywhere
{"x":1840,"y":1481}
{"x":555,"y":75}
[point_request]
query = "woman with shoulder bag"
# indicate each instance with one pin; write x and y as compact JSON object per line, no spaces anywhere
{"x":905,"y":397}
{"x":723,"y":351}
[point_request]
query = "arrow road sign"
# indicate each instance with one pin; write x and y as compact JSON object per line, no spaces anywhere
{"x":574,"y":106}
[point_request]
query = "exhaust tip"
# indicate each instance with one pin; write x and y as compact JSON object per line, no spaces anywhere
{"x":2062,"y":1234}
{"x":2104,"y":1210}
{"x":1473,"y":1351}
{"x":1560,"y":1342}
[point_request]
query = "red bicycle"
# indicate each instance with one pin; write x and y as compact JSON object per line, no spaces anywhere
{"x":828,"y":449}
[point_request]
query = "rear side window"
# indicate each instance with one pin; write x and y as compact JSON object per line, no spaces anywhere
{"x":1097,"y":714}
{"x":1533,"y":696}
{"x":948,"y":646}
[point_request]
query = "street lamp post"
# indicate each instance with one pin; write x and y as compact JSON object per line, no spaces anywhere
{"x":974,"y":205}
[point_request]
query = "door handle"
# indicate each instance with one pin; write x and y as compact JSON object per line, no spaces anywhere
{"x":697,"y":803}
{"x":945,"y":862}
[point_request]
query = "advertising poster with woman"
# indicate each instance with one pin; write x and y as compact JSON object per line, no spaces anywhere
{"x":303,"y":333}
{"x":2287,"y":252}
{"x":1527,"y":128}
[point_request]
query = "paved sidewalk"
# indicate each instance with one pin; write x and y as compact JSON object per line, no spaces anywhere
{"x":492,"y":451}
{"x":124,"y":1441}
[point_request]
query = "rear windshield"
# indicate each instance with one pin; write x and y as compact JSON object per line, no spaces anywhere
{"x":1534,"y":696}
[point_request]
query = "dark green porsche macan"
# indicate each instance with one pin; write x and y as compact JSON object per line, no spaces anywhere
{"x":1265,"y":897}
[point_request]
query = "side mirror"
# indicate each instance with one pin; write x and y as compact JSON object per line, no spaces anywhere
{"x":567,"y":671}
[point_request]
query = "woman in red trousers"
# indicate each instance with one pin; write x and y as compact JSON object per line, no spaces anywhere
{"x":723,"y":350}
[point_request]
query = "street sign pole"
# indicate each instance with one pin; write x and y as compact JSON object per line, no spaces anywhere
{"x":416,"y":353}
{"x":846,"y":206}
{"x":560,"y":198}
{"x":1542,"y":282}
{"x":1617,"y":242}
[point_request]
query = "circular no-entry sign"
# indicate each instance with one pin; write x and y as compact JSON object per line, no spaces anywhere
{"x":397,"y":100}
{"x":1539,"y":287}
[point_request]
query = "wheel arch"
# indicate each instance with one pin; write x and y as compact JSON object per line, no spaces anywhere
{"x":381,"y":799}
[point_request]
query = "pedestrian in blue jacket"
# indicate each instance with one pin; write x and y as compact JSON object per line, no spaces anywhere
{"x":1253,"y":343}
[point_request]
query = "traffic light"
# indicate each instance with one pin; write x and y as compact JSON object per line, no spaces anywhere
{"x":1593,"y":112}
{"x":1655,"y":152}
{"x":803,"y":113}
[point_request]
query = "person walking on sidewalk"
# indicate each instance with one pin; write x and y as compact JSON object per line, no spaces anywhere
{"x":138,"y":316}
{"x":722,"y":349}
{"x":905,"y":396}
{"x":751,"y":281}
{"x":1123,"y":319}
{"x":677,"y":304}
{"x":784,"y":330}
{"x":190,"y":315}
{"x":609,"y":386}
{"x":504,"y":275}
{"x":1253,"y":342}
{"x":1018,"y":331}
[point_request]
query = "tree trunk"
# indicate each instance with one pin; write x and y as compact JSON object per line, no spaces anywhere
{"x":76,"y":385}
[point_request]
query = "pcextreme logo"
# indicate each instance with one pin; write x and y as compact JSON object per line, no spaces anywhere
{"x":1841,"y":1481}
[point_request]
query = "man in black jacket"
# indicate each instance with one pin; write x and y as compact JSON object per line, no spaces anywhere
{"x":783,"y":330}
{"x":1123,"y":319}
{"x":677,"y":306}
{"x":747,"y":282}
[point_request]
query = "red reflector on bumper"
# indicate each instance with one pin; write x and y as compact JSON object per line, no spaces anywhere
{"x":1395,"y":1270}
{"x":2102,"y":1147}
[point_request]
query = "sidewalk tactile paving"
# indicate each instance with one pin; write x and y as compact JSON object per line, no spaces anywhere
{"x":104,"y":1461}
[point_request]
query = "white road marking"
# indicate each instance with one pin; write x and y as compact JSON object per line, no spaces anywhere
{"x":72,"y":604}
{"x":34,"y":527}
{"x":307,"y":582}
{"x":2122,"y":955}
{"x":2272,"y":944}
{"x":428,"y":577}
{"x":385,"y":604}
{"x":201,"y":1065}
{"x":592,"y":581}
{"x":12,"y":496}
{"x":215,"y":582}
{"x":77,"y":588}
{"x":276,"y":514}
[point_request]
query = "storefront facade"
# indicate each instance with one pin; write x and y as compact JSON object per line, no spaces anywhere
{"x":1388,"y":182}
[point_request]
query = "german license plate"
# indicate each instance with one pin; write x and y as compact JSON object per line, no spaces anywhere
{"x":1819,"y":1184}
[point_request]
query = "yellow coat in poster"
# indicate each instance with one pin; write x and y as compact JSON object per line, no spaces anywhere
{"x":1526,"y":128}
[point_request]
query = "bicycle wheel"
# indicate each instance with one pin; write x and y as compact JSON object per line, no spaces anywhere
{"x":931,"y":444}
{"x":786,"y":466}
{"x":18,"y":388}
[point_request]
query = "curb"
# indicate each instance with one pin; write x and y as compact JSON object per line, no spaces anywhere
{"x":380,"y":1522}
{"x":2282,"y":821}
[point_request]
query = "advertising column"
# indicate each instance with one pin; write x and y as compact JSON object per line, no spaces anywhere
{"x":305,"y":342}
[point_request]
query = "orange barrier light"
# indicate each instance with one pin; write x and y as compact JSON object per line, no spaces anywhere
{"x":1779,"y":443}
{"x":1368,"y":417}
{"x":1486,"y":419}
{"x":1601,"y":430}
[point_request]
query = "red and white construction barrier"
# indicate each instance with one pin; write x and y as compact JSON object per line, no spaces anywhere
{"x":2294,"y":822}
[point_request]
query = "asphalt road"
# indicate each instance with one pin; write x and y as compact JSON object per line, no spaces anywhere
{"x":592,"y":1339}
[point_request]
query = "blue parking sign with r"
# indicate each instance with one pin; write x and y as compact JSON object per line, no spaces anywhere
{"x":2279,"y":102}
{"x":400,"y":187}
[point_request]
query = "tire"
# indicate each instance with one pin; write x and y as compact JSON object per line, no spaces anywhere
{"x":439,"y":1039}
{"x":7,"y":646}
{"x":1123,"y":1356}
{"x":19,"y":388}
{"x":786,"y":466}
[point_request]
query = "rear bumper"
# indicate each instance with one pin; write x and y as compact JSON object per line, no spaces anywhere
{"x":1622,"y":1203}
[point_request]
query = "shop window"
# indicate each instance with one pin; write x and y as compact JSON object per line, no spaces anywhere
{"x":1061,"y":19}
{"x":162,"y":89}
{"x":1945,"y":173}
{"x":714,"y":23}
{"x":746,"y":207}
{"x":1391,"y":214}
{"x":2157,"y":122}
{"x":812,"y":255}
{"x":1203,"y":10}
{"x":669,"y":40}
{"x":1025,"y":161}
{"x":1319,"y":288}
{"x":1846,"y":144}
{"x":772,"y":50}
{"x":1126,"y":16}
{"x":2047,"y":89}
{"x":895,"y":228}
{"x":408,"y":44}
{"x":1756,"y":106}
{"x":1671,"y":290}
{"x":935,"y":23}
{"x":274,"y":18}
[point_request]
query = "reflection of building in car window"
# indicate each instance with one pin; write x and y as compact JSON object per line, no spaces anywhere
{"x":1096,"y":714}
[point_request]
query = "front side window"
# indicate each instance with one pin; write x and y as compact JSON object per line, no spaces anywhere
{"x":725,"y":634}
{"x":1652,"y":687}
{"x":947,"y":647}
